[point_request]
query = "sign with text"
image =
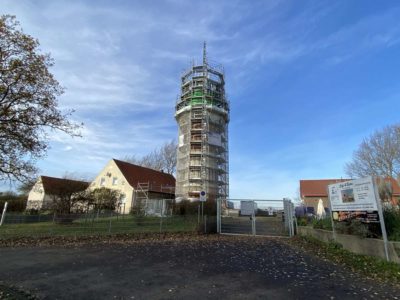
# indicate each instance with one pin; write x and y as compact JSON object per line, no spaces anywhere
{"x":363,"y":216}
{"x":353,"y":195}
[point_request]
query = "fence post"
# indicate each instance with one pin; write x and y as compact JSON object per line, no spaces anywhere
{"x":109,"y":226}
{"x":253,"y":222}
{"x":381,"y":219}
{"x":291,"y":216}
{"x":4,"y":213}
{"x":295,"y":221}
{"x":162,"y":213}
{"x":198,"y":214}
{"x":218,"y":215}
{"x":331,"y":214}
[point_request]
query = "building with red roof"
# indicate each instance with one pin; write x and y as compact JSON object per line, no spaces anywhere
{"x":136,"y":184}
{"x":47,"y":189}
{"x":313,"y":190}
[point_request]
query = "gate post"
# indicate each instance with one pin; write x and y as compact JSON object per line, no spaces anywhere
{"x":288,"y":215}
{"x":291,"y":218}
{"x":253,"y":223}
{"x":219,"y":215}
{"x":253,"y":219}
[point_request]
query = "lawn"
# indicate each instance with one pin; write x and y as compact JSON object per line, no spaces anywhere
{"x":91,"y":225}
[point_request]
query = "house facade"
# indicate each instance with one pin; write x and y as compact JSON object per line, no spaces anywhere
{"x":313,"y":190}
{"x":47,"y":189}
{"x":134,"y":183}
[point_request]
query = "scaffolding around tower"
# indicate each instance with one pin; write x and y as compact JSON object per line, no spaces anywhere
{"x":202,"y":114}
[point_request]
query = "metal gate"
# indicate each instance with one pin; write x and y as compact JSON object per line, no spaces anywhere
{"x":255,"y":217}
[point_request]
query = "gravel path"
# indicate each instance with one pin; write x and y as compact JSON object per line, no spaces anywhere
{"x":196,"y":268}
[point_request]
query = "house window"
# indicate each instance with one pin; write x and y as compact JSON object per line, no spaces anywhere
{"x":102,"y":181}
{"x":115,"y":181}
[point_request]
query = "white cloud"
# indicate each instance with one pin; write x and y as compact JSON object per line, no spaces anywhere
{"x":121,"y":64}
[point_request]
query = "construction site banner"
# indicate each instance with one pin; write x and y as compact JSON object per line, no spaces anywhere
{"x":353,"y":195}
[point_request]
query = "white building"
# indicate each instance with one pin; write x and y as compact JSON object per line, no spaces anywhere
{"x":47,"y":189}
{"x":135,"y":183}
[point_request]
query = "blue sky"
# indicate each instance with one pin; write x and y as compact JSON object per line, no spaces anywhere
{"x":307,"y":80}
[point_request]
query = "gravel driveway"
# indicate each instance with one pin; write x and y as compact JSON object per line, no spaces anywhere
{"x":213,"y":267}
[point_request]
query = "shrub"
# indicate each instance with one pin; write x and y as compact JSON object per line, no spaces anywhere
{"x":392,"y":223}
{"x":353,"y":227}
{"x":186,"y":207}
{"x":302,"y":221}
{"x":325,"y":223}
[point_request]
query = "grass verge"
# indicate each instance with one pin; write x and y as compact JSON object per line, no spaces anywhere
{"x":368,"y":266}
{"x":99,"y":226}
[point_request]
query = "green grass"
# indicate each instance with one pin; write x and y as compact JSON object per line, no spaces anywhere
{"x":100,"y":226}
{"x":368,"y":266}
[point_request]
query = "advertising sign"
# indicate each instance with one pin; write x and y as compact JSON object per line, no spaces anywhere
{"x":354,"y":195}
{"x":363,"y":216}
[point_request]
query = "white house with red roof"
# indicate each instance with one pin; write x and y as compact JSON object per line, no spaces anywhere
{"x":135,"y":183}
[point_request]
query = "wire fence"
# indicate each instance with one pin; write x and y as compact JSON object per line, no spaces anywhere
{"x":99,"y":223}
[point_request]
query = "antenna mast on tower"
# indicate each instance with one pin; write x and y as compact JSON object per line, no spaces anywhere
{"x":204,"y":54}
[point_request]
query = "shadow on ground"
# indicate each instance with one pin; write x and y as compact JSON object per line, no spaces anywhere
{"x":199,"y":267}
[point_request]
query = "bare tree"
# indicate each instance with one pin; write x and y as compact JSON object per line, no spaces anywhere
{"x":163,"y":158}
{"x":385,"y":190}
{"x":153,"y":160}
{"x":169,"y":155}
{"x":28,"y":102}
{"x":377,"y":155}
{"x":26,"y":186}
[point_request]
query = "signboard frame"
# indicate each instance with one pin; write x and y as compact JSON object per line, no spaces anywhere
{"x":376,"y":205}
{"x":353,"y":195}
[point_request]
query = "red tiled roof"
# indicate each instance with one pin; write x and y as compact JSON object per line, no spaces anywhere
{"x":53,"y":185}
{"x":318,"y":187}
{"x":135,"y":174}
